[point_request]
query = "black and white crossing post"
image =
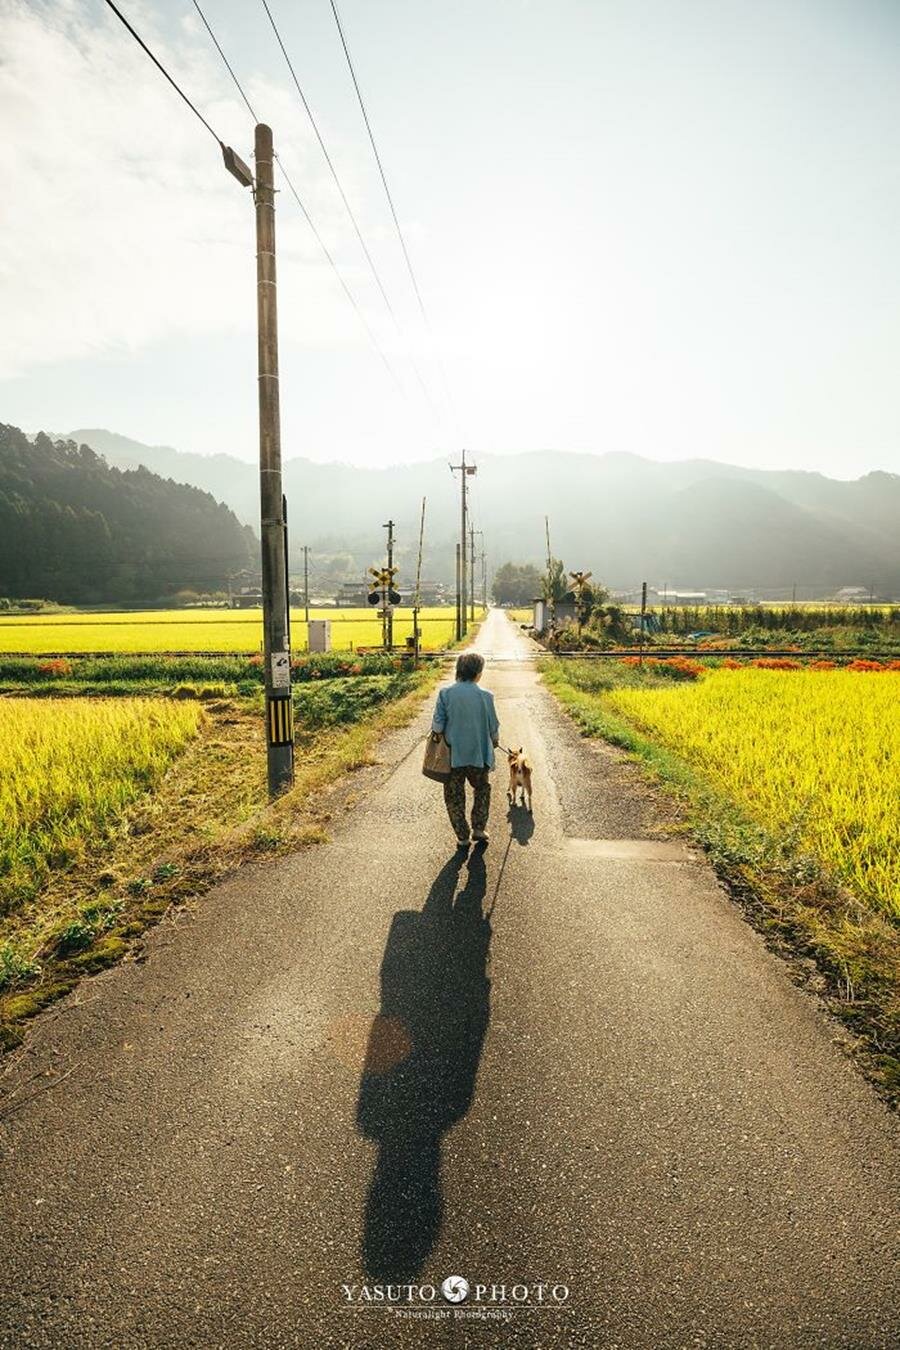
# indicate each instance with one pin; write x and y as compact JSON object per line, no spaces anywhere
{"x":389,"y":618}
{"x":643,"y":619}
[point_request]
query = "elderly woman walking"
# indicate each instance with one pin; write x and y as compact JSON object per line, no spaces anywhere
{"x":466,"y":717}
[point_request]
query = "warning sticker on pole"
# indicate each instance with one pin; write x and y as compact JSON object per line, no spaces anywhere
{"x":281,"y":670}
{"x":281,"y":721}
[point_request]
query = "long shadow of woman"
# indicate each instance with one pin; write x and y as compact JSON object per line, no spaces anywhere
{"x":421,"y":1064}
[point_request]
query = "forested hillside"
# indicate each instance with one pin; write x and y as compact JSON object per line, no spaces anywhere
{"x":76,"y":530}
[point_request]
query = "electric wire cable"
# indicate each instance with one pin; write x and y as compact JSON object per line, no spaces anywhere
{"x":228,"y":67}
{"x":297,"y":198}
{"x":340,"y":187}
{"x":179,"y":91}
{"x":159,"y":65}
{"x":390,"y":200}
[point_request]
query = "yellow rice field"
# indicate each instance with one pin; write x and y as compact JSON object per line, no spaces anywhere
{"x":813,"y":752}
{"x":206,"y":631}
{"x":67,"y":769}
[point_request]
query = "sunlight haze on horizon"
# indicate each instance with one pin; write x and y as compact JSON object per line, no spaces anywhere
{"x":638,"y":226}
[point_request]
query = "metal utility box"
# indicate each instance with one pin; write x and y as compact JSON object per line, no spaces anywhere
{"x":320,"y":635}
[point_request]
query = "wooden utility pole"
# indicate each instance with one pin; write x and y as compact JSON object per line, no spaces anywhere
{"x":550,"y":594}
{"x":417,"y":599}
{"x":276,"y":638}
{"x":464,"y":470}
{"x":389,"y":617}
{"x":480,"y":534}
{"x":306,"y":584}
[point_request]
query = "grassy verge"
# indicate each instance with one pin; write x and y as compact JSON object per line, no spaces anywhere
{"x":207,"y":815}
{"x":838,"y":946}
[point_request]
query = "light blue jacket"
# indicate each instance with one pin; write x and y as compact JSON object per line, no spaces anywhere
{"x":466,"y":716}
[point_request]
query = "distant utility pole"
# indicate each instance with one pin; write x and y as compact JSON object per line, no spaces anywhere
{"x":417,"y":599}
{"x":276,"y":619}
{"x":306,"y":583}
{"x":550,"y":594}
{"x":390,"y":562}
{"x":643,"y":618}
{"x":471,"y":574}
{"x":459,"y":617}
{"x":464,"y":470}
{"x":480,"y":534}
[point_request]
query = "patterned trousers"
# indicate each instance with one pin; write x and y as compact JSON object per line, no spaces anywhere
{"x":455,"y":798}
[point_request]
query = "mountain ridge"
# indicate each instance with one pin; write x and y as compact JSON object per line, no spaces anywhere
{"x":694,"y":523}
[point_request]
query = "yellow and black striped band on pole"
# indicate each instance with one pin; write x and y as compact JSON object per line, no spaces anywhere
{"x":280,"y":721}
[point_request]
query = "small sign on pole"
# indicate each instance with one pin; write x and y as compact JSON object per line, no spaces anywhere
{"x":281,"y":670}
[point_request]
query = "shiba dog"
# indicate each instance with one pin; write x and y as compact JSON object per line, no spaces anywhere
{"x":519,"y":777}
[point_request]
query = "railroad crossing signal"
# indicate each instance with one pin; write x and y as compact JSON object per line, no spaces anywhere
{"x":385,"y":595}
{"x":384,"y":577}
{"x":580,"y":579}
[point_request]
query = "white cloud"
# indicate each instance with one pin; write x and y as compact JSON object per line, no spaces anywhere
{"x":119,"y":225}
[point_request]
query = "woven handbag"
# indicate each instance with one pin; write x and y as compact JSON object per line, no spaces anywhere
{"x":436,"y":764}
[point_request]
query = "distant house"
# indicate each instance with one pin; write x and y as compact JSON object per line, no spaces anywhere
{"x":687,"y":598}
{"x":245,"y":590}
{"x":852,"y":595}
{"x":247,"y":598}
{"x":352,"y":595}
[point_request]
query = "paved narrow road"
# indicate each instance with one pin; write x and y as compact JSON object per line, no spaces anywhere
{"x":566,"y":1061}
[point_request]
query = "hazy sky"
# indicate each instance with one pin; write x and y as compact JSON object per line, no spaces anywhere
{"x":665,"y":226}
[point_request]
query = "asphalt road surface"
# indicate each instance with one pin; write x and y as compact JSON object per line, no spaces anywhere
{"x":563,"y":1069}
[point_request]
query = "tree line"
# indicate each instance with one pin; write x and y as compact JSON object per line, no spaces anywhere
{"x":75,"y":530}
{"x":604,"y":622}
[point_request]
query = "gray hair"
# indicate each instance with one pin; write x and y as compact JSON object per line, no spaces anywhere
{"x":469,"y":666}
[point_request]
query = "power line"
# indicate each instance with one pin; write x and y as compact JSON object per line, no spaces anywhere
{"x":387,"y":191}
{"x":137,"y":37}
{"x":346,"y":289}
{"x":295,"y":194}
{"x":240,"y":88}
{"x":349,"y":209}
{"x":328,"y":161}
{"x":292,"y":189}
